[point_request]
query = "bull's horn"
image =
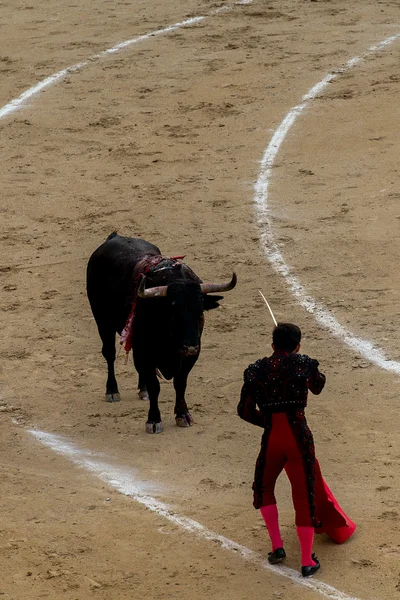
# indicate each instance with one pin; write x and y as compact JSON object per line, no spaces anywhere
{"x":208,"y":288}
{"x":154,"y":292}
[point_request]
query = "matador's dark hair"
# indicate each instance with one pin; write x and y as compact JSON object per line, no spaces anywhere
{"x":286,"y":336}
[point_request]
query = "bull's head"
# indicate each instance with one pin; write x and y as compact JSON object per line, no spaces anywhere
{"x":187,"y":301}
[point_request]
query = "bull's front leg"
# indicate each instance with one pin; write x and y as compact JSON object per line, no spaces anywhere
{"x":154,"y":423}
{"x":142,"y":393}
{"x":183,"y":418}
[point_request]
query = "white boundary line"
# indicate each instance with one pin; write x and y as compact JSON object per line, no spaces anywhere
{"x":123,"y":481}
{"x":267,"y":237}
{"x":19,"y":102}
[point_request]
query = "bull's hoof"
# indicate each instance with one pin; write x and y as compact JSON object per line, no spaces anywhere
{"x":153,"y":427}
{"x":113,"y":397}
{"x":143,"y":395}
{"x":185,"y":420}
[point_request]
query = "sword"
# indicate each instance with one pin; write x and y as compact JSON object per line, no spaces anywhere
{"x":269,"y":308}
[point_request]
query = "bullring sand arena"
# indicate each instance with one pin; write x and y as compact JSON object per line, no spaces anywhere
{"x":179,"y":136}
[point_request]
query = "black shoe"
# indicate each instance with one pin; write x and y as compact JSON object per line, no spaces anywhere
{"x":276,"y":556}
{"x":309,"y":571}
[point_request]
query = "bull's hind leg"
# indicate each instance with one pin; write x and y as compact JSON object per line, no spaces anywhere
{"x":183,"y":418}
{"x":108,"y":351}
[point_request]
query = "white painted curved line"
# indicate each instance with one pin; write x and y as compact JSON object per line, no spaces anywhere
{"x":21,"y":101}
{"x":364,"y":347}
{"x":124,"y":481}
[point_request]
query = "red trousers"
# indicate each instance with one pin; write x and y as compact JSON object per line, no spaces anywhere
{"x":313,"y":501}
{"x":282,"y":452}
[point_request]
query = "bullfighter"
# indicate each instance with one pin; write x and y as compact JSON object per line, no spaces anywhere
{"x":274,"y":397}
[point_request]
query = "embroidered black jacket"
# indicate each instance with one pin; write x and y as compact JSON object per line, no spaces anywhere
{"x":278,"y":383}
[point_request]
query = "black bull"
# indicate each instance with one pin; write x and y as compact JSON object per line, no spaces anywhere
{"x":128,"y":280}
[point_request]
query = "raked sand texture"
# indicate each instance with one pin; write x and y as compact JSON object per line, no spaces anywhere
{"x":165,"y":139}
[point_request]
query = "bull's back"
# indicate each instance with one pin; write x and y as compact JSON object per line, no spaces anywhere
{"x":110,"y":269}
{"x":118,"y":255}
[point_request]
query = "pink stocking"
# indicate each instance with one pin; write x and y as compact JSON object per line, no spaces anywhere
{"x":306,"y":538}
{"x":270,"y":516}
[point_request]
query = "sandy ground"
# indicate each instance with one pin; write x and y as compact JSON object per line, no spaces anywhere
{"x":163,"y":141}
